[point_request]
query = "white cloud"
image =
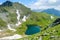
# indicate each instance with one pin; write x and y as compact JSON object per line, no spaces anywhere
{"x":45,"y":4}
{"x":57,"y":7}
{"x":52,"y":1}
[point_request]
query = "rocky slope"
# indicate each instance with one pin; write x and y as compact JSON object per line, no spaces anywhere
{"x":12,"y":14}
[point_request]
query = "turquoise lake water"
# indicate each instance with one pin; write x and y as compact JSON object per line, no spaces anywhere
{"x":32,"y":29}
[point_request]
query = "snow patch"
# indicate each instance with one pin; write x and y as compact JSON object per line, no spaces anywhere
{"x":16,"y":36}
{"x":1,"y":30}
{"x":18,"y":17}
{"x":17,"y":24}
{"x":9,"y":27}
{"x":52,"y":17}
{"x":24,"y":18}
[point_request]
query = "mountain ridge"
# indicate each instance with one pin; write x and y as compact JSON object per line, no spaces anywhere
{"x":8,"y":11}
{"x":49,"y":11}
{"x":52,"y":11}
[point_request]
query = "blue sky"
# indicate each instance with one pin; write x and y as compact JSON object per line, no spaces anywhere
{"x":38,"y":4}
{"x":25,"y":2}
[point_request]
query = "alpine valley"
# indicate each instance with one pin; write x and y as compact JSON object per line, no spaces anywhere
{"x":21,"y":23}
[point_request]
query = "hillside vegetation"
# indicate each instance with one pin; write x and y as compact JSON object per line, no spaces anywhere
{"x":8,"y":16}
{"x":43,"y":20}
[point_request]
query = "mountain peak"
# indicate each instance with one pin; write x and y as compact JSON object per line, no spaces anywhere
{"x":7,"y":3}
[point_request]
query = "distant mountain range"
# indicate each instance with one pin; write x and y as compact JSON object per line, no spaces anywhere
{"x":49,"y":11}
{"x":52,"y":11}
{"x":38,"y":10}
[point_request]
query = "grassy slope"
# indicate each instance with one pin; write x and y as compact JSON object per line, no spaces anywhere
{"x":43,"y":20}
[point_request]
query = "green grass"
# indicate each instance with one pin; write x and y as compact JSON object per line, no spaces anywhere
{"x":36,"y":18}
{"x":41,"y":19}
{"x":2,"y":23}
